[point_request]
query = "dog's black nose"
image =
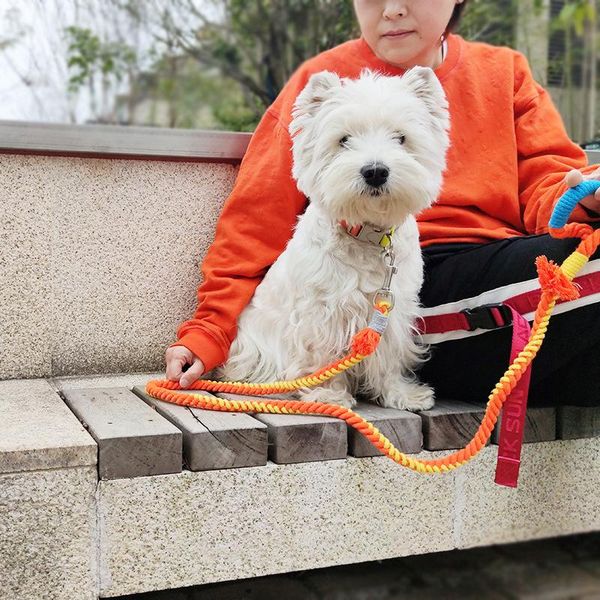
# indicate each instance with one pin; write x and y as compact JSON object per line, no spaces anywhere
{"x":375,"y":175}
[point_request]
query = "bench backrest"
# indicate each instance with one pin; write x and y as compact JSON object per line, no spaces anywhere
{"x":102,"y":233}
{"x":101,"y":238}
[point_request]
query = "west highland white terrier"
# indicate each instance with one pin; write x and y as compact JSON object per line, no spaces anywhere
{"x":367,"y":152}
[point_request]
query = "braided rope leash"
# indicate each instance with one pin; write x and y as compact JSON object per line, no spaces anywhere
{"x":556,"y":284}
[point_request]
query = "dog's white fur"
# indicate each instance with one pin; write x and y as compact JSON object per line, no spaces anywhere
{"x":319,"y":292}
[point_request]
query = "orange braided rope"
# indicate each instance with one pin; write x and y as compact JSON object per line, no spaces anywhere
{"x":556,"y":283}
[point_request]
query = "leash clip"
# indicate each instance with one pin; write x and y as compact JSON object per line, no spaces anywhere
{"x":389,"y":260}
{"x":384,"y":293}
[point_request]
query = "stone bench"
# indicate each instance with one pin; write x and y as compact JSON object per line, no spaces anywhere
{"x":106,"y":492}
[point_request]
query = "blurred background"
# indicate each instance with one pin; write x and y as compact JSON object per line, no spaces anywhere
{"x":217,"y":64}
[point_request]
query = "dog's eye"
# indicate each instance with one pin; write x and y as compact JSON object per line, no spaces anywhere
{"x":344,"y":141}
{"x":400,"y":138}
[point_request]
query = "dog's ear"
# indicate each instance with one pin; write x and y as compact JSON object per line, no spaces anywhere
{"x":423,"y":82}
{"x":319,"y":88}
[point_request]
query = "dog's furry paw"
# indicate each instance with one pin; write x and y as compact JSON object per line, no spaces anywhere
{"x":328,"y":395}
{"x":408,"y":396}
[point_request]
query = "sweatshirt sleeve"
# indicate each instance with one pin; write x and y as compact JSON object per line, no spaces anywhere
{"x":255,"y":225}
{"x":545,"y":152}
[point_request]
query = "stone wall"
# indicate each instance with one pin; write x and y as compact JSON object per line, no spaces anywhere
{"x":100,"y":259}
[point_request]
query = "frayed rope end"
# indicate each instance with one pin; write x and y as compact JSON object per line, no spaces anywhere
{"x":553,"y":280}
{"x":365,"y":342}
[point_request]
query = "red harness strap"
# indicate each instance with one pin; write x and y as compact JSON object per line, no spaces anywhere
{"x":491,"y":316}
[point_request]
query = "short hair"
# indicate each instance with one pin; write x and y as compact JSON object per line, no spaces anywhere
{"x":455,"y":18}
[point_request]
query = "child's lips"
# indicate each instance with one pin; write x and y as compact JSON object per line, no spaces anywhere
{"x":397,"y":34}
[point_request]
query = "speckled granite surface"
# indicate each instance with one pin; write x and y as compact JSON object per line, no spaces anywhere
{"x":249,"y":522}
{"x":557,"y":495}
{"x":100,"y":260}
{"x":563,"y":568}
{"x":177,"y":530}
{"x":38,"y":431}
{"x":48,"y":537}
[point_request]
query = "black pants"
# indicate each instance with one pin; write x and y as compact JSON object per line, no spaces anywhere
{"x":566,"y":370}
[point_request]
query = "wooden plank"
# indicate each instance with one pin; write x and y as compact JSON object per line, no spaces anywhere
{"x":540,"y":425}
{"x":401,"y":427}
{"x":450,"y":424}
{"x":578,"y":422}
{"x":300,"y":438}
{"x":214,"y":440}
{"x":133,"y":439}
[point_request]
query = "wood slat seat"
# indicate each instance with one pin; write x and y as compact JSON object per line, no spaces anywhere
{"x":133,"y":440}
{"x":214,"y":440}
{"x":138,"y":435}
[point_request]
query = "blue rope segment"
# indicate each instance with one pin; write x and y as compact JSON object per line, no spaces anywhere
{"x":567,"y":202}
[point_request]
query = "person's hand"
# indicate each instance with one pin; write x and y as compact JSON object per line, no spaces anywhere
{"x":177,"y":358}
{"x":575,"y":177}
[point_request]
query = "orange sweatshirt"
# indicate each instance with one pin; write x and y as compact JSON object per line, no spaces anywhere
{"x":508,"y":156}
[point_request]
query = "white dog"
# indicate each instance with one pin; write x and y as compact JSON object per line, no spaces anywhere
{"x":366,"y":151}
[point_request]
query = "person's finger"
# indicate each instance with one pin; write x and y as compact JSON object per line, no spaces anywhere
{"x":174,"y":369}
{"x":193,"y":373}
{"x":592,"y":202}
{"x":573,"y":178}
{"x":176,"y":359}
{"x":595,"y":176}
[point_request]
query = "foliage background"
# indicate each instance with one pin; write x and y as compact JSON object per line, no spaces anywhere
{"x":219,"y":63}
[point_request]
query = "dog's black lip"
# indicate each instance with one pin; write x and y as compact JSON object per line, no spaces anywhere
{"x":374,"y":192}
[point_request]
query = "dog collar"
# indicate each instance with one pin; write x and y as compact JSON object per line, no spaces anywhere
{"x":369,"y":233}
